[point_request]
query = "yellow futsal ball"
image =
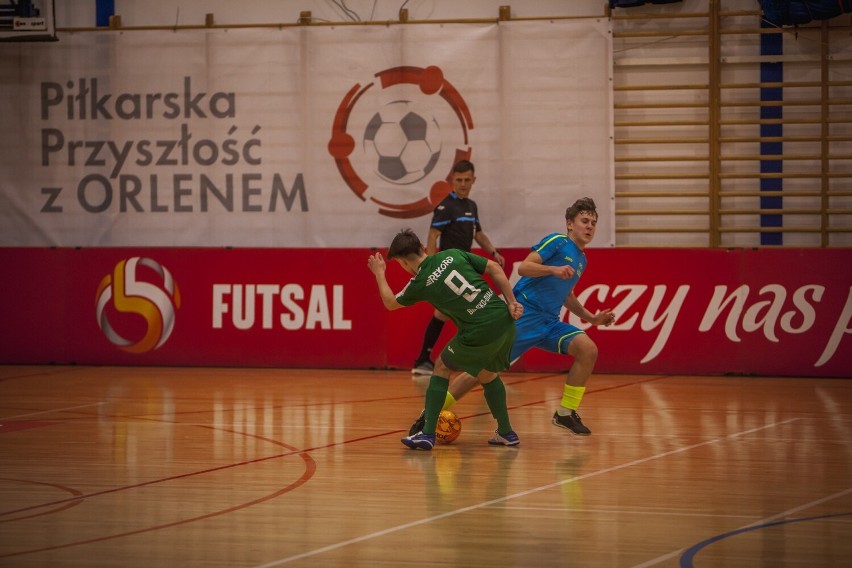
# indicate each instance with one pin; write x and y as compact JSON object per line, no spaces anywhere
{"x":449,"y":427}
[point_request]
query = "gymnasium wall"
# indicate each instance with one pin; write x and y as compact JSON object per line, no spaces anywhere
{"x":210,"y":196}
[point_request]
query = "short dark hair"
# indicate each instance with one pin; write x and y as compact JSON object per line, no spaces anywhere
{"x":464,"y":166}
{"x":404,"y":243}
{"x":582,"y":205}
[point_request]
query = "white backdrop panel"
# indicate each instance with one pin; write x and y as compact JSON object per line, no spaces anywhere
{"x":222,"y":137}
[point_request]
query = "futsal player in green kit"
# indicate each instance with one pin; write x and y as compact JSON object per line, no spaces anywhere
{"x":452,"y":282}
{"x":455,"y":224}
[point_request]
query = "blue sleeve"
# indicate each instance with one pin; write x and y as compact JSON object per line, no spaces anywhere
{"x":440,"y":217}
{"x":550,"y":246}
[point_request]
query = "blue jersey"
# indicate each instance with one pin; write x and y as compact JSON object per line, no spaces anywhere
{"x":548,"y":293}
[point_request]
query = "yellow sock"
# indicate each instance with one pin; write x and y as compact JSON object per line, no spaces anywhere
{"x":449,"y":401}
{"x":571,"y":397}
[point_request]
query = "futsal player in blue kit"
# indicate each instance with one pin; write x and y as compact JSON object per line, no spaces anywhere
{"x":548,"y":276}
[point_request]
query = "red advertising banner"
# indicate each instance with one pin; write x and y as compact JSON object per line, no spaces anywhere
{"x":785,"y":312}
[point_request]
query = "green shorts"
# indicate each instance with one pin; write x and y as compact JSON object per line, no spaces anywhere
{"x":459,"y":355}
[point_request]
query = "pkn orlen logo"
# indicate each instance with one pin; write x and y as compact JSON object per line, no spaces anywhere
{"x":396,"y":139}
{"x":146,"y":289}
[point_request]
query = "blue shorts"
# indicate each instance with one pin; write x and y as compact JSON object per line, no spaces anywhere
{"x":542,"y":330}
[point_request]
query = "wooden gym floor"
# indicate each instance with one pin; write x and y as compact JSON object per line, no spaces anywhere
{"x":109,"y":466}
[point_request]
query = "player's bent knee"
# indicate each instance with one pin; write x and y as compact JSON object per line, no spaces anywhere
{"x":583,"y":348}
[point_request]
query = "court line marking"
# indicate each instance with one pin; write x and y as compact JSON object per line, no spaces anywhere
{"x":51,"y":411}
{"x":754,"y":525}
{"x":691,"y":552}
{"x":799,"y":508}
{"x":628,"y":512}
{"x":79,"y":498}
{"x":532,"y":491}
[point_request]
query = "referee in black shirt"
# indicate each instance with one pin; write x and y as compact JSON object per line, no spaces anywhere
{"x":455,"y":224}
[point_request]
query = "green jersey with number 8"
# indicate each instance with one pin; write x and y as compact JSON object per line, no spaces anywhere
{"x":452,"y":282}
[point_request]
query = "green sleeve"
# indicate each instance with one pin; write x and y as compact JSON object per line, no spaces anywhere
{"x":478,"y":262}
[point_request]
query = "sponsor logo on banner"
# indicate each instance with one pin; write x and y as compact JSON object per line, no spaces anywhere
{"x":396,"y":139}
{"x":214,"y":169}
{"x":138,"y":287}
{"x":775,"y":311}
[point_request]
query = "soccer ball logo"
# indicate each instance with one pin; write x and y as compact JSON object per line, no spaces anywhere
{"x":407,"y":146}
{"x":395,"y":140}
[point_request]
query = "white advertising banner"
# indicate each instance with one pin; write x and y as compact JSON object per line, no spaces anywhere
{"x":302,"y":137}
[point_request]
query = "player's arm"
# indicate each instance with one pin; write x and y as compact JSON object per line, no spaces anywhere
{"x":603,"y":317}
{"x":378,"y":267}
{"x":533,"y":266}
{"x":432,"y":240}
{"x":483,"y":241}
{"x":495,"y":271}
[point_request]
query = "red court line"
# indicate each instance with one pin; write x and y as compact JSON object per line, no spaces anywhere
{"x":30,"y":375}
{"x":357,"y":401}
{"x":303,"y":453}
{"x":588,"y":392}
{"x":294,"y":451}
{"x":309,"y":472}
{"x":70,"y":490}
{"x":310,"y":469}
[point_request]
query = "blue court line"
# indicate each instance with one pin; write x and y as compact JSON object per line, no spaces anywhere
{"x":689,"y":555}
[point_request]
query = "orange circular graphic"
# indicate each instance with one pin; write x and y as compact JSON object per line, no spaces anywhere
{"x":127,"y":291}
{"x":399,"y":151}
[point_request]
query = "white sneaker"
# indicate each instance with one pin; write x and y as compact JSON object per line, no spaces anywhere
{"x":424,"y":368}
